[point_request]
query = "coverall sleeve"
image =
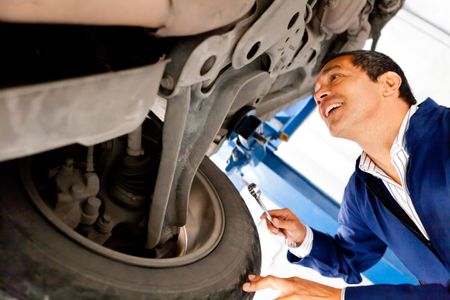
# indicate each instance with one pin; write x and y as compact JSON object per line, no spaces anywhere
{"x":351,"y":251}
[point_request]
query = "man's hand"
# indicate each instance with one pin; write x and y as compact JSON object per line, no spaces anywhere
{"x":292,"y":288}
{"x":287,"y":224}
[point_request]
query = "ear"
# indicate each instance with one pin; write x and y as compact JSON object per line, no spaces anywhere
{"x":391,"y":82}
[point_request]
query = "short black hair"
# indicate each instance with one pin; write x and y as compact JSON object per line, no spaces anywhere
{"x":375,"y":64}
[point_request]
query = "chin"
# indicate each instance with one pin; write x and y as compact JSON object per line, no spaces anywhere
{"x":335,"y":132}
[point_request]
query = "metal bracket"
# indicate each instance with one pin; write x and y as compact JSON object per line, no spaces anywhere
{"x":282,"y":19}
{"x":190,"y":127}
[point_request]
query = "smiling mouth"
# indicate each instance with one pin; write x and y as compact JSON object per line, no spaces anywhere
{"x":331,"y":108}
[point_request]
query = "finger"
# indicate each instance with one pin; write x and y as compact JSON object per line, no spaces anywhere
{"x":281,"y":212}
{"x":288,"y":297}
{"x":253,"y":277}
{"x":285,"y":224}
{"x":272,"y":228}
{"x":269,"y":223}
{"x":258,"y":284}
{"x":264,"y":217}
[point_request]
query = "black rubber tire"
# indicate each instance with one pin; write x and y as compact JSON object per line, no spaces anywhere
{"x":38,"y":260}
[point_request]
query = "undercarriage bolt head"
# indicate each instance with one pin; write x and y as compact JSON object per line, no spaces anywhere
{"x":167,"y":82}
{"x":104,"y":224}
{"x":91,"y":206}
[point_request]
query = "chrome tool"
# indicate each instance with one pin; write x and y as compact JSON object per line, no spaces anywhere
{"x":256,"y":193}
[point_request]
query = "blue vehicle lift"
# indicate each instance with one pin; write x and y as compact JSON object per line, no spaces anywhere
{"x":251,"y":139}
{"x":252,"y":145}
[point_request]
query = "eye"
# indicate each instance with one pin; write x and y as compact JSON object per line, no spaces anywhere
{"x":334,"y":77}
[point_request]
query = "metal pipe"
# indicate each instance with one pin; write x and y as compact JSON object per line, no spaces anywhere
{"x":135,"y":142}
{"x":90,"y":159}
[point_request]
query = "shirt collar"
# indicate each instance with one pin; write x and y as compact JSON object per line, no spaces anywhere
{"x":400,"y":141}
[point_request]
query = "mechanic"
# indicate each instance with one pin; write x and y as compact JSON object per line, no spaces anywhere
{"x":398,"y":196}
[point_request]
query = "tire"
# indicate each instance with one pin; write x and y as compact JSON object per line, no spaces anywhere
{"x":38,"y":261}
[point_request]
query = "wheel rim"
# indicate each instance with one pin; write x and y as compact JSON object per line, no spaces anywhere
{"x":196,"y":239}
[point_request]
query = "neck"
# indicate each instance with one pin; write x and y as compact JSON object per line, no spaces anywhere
{"x":377,"y":140}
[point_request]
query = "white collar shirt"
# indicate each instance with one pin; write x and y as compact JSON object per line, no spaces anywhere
{"x":400,"y":160}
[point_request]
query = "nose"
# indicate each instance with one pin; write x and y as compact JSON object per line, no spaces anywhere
{"x":319,"y":95}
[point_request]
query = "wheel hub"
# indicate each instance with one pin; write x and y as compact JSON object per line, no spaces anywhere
{"x":91,"y":218}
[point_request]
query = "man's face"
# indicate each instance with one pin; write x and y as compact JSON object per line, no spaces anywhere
{"x":348,"y":100}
